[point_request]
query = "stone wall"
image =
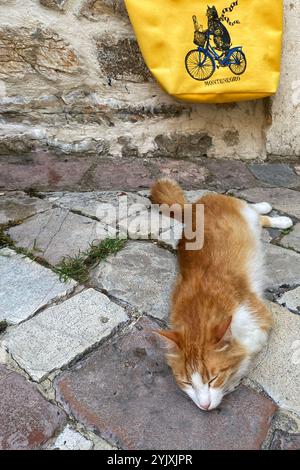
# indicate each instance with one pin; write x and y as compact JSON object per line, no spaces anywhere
{"x":72,"y":81}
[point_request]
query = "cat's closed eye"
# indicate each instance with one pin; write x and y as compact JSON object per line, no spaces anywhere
{"x":212,"y":380}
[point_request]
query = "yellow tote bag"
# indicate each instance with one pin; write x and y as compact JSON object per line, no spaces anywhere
{"x":217,"y":53}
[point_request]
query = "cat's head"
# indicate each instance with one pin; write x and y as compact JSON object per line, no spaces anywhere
{"x":209,"y":369}
{"x":212,"y":13}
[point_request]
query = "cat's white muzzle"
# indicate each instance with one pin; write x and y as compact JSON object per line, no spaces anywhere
{"x":206,"y":398}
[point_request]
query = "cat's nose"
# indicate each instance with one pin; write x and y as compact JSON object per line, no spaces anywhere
{"x":204,"y":405}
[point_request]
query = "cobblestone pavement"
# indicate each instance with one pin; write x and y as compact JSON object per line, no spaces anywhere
{"x":79,"y":365}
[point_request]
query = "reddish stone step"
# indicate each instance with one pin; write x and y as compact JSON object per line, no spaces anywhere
{"x":126,"y":392}
{"x":27,"y":420}
{"x":42,"y":171}
{"x":45,"y":171}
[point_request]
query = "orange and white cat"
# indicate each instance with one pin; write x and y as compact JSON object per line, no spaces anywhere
{"x":218,"y":320}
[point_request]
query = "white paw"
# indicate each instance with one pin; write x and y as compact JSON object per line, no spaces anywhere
{"x":281,"y":222}
{"x":263,"y":208}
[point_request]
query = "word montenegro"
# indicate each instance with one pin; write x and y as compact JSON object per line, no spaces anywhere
{"x":220,"y":81}
{"x":167,"y":224}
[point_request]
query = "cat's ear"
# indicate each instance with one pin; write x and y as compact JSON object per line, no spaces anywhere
{"x":170,"y":337}
{"x":223,"y":330}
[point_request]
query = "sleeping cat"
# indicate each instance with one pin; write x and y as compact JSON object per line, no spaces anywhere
{"x":221,"y":35}
{"x":219,"y":321}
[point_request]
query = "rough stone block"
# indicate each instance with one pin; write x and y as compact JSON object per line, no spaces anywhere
{"x":180,"y":145}
{"x":95,"y":9}
{"x":121,"y":59}
{"x":26,"y":51}
{"x":55,"y":4}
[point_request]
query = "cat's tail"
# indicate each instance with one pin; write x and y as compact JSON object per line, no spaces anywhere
{"x":167,"y":192}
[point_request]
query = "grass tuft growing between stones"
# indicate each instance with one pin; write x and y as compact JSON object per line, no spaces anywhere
{"x":7,"y":242}
{"x":286,"y":231}
{"x":32,"y":192}
{"x":107,"y":247}
{"x":77,"y":267}
{"x":74,"y":268}
{"x":5,"y":239}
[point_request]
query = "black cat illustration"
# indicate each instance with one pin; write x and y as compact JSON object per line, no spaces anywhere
{"x":214,"y":48}
{"x":221,"y":35}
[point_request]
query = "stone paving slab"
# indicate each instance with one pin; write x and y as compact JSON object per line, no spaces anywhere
{"x":291,"y":300}
{"x":100,"y":204}
{"x":26,"y":286}
{"x":292,"y":240}
{"x":63,"y":332}
{"x":282,"y":267}
{"x":27,"y":420}
{"x":58,"y":233}
{"x":284,"y":441}
{"x":142,"y":274}
{"x":278,"y":366}
{"x":18,"y":206}
{"x":138,"y":406}
{"x":276,"y":174}
{"x":282,"y":199}
{"x":70,"y":439}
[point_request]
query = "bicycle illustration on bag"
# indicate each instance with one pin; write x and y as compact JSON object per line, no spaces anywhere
{"x":202,"y":62}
